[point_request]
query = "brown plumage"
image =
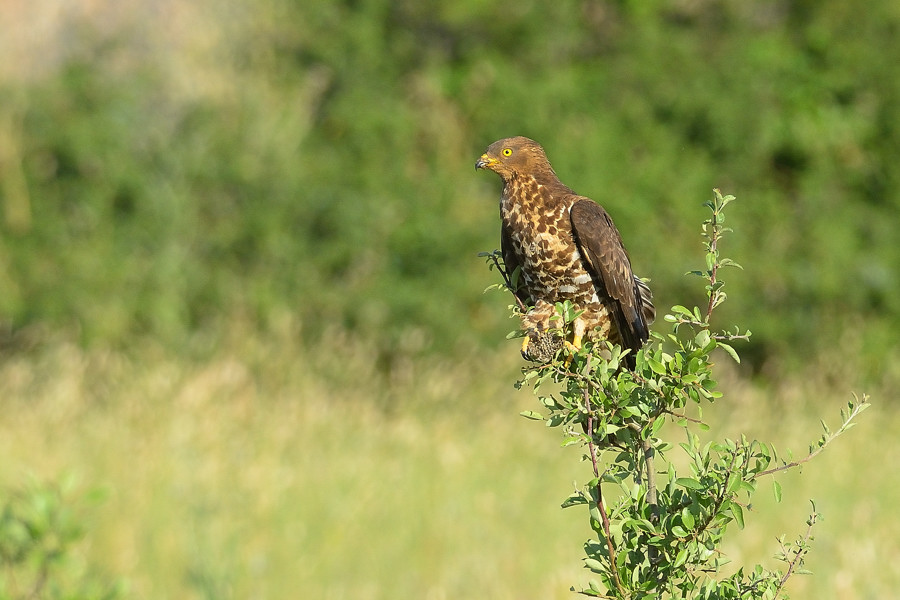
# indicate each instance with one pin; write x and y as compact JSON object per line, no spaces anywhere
{"x":567,"y":248}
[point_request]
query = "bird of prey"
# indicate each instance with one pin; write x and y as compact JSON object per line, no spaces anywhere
{"x":566,"y":247}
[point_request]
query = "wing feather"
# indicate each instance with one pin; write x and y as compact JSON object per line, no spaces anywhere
{"x":601,"y":247}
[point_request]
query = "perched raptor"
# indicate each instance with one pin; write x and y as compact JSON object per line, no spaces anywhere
{"x":566,"y":248}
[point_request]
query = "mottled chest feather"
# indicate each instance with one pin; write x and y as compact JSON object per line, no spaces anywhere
{"x":540,"y":232}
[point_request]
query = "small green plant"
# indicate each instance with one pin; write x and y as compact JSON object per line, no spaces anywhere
{"x":660,"y":518}
{"x":39,"y":530}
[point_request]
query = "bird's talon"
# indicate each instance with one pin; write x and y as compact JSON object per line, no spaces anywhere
{"x":525,"y":343}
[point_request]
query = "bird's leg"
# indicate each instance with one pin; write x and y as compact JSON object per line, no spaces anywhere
{"x":578,"y":330}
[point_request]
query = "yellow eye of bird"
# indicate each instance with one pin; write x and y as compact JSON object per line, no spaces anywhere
{"x":507,"y":152}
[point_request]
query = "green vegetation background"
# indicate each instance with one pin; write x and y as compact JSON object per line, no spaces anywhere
{"x":170,"y":170}
{"x":240,"y":292}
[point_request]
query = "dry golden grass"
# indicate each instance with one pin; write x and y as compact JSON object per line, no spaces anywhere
{"x":252,"y":476}
{"x":259,"y":473}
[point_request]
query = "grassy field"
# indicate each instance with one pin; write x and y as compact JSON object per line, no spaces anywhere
{"x":254,"y":475}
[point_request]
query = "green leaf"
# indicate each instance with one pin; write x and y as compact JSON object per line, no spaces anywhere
{"x":574,"y":499}
{"x":682,"y":310}
{"x":776,"y":487}
{"x":702,"y":338}
{"x":690,"y":483}
{"x":595,"y":565}
{"x":514,"y":278}
{"x":530,"y":414}
{"x":555,"y":420}
{"x":656,"y":366}
{"x":679,"y":531}
{"x":731,"y":351}
{"x":738,"y":513}
{"x":549,"y":402}
{"x":621,"y":559}
{"x":727,"y":262}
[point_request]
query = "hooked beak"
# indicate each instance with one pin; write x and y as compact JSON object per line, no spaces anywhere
{"x":485,"y":162}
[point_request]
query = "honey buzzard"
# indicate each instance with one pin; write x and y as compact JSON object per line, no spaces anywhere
{"x":567,"y":248}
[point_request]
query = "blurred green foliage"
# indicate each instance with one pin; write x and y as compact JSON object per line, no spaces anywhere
{"x":39,"y":533}
{"x":315,"y":159}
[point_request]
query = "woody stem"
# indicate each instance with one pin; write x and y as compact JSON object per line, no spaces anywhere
{"x":603,"y":516}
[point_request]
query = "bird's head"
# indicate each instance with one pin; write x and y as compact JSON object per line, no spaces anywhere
{"x":514,"y":156}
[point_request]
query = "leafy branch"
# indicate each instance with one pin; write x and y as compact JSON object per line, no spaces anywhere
{"x":795,"y":555}
{"x":510,"y":280}
{"x":854,"y":407}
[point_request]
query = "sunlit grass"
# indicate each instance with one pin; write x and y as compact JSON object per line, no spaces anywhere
{"x":222,"y":484}
{"x":252,"y":475}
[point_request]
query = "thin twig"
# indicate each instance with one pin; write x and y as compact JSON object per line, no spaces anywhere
{"x":719,"y":337}
{"x":666,"y":411}
{"x":713,"y":243}
{"x":652,"y":554}
{"x":603,"y":516}
{"x":507,"y":281}
{"x":717,"y":503}
{"x":825,"y":441}
{"x":729,"y":337}
{"x":802,"y":549}
{"x":793,"y":463}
